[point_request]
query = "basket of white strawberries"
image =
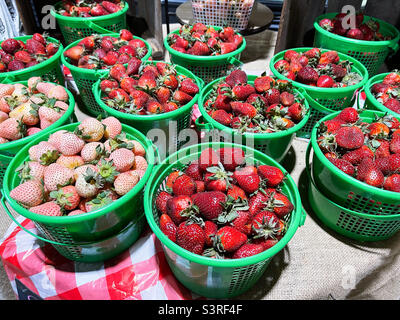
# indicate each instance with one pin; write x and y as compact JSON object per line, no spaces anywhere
{"x":27,"y":109}
{"x":82,"y":185}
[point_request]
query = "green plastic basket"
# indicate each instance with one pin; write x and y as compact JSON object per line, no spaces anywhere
{"x":70,"y":234}
{"x":349,"y":223}
{"x":85,"y":78}
{"x":371,"y":54}
{"x":10,"y":149}
{"x":346,"y":190}
{"x":168,"y":125}
{"x":324,"y":101}
{"x":204,"y":276}
{"x":207,"y":68}
{"x":371,"y":102}
{"x":49,"y":70}
{"x":76,"y":28}
{"x":275,"y":145}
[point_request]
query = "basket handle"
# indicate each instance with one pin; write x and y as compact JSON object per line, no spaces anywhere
{"x":394,"y":47}
{"x":8,"y":79}
{"x":315,"y":104}
{"x":236,"y":62}
{"x":26,"y":230}
{"x":96,"y":27}
{"x":201,"y":125}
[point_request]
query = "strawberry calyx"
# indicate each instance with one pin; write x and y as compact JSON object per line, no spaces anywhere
{"x":107,"y":171}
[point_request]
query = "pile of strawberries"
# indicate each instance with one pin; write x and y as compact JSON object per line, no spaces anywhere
{"x":221,"y":207}
{"x":369,"y":152}
{"x":341,"y":25}
{"x":147,"y":89}
{"x":27,"y":110}
{"x":17,"y":55}
{"x":387,"y":92}
{"x":269,"y":105}
{"x":103,"y":52}
{"x":77,"y":172}
{"x":316,"y":68}
{"x":202,"y":40}
{"x":89,"y":8}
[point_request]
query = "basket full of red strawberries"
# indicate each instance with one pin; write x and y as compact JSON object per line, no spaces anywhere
{"x":24,"y":57}
{"x":221,"y":209}
{"x":81,"y":18}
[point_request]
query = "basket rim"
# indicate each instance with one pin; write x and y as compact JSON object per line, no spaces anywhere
{"x":161,"y":116}
{"x":194,"y":58}
{"x":28,"y":139}
{"x":40,"y":65}
{"x":360,"y":68}
{"x":233,"y":263}
{"x":206,"y":91}
{"x":382,"y":43}
{"x":98,"y":72}
{"x":371,"y":97}
{"x":336,"y":171}
{"x":85,"y":216}
{"x":79,"y":19}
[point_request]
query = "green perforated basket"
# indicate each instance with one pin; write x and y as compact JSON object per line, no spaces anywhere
{"x":346,"y":190}
{"x":91,"y":236}
{"x":324,"y":101}
{"x":165,"y":125}
{"x":10,"y":149}
{"x":85,"y":78}
{"x":49,"y":70}
{"x":214,"y":278}
{"x":357,"y":225}
{"x":76,"y":28}
{"x":371,"y":102}
{"x":207,"y":68}
{"x":371,"y":54}
{"x":275,"y":145}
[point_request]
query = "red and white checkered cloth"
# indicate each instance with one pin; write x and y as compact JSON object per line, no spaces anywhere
{"x":140,"y":273}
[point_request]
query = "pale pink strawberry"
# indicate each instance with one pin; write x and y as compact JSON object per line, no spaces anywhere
{"x":125,"y":182}
{"x":66,"y":197}
{"x":140,"y":163}
{"x":33,"y":130}
{"x":48,"y":116}
{"x":45,"y":87}
{"x":6,"y":90}
{"x":93,"y":151}
{"x":82,"y":169}
{"x":12,"y":129}
{"x":32,"y":83}
{"x":76,"y":213}
{"x":62,"y":105}
{"x":113,"y":127}
{"x":141,"y":173}
{"x":70,"y":162}
{"x":88,"y":184}
{"x":138,"y":149}
{"x":36,"y":99}
{"x":70,"y":144}
{"x":28,"y":194}
{"x":51,"y":209}
{"x":31,"y":170}
{"x":123,"y":159}
{"x":44,"y":153}
{"x":20,"y":92}
{"x":4,"y":105}
{"x":56,"y":176}
{"x":58,"y":93}
{"x":26,"y":113}
{"x":91,"y":130}
{"x":3,"y":116}
{"x":54,"y":139}
{"x":2,"y":140}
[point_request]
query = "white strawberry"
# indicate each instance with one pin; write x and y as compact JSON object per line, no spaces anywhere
{"x":57,"y":176}
{"x":90,"y":130}
{"x":125,"y":182}
{"x":70,"y":144}
{"x":29,"y":194}
{"x":123,"y":159}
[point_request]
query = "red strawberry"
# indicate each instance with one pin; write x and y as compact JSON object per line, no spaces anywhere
{"x":242,"y":91}
{"x":349,"y":115}
{"x":325,"y":81}
{"x":265,"y":225}
{"x":279,"y":203}
{"x":271,"y":175}
{"x":227,"y":47}
{"x":394,"y":163}
{"x":296,"y":112}
{"x":189,"y":87}
{"x":229,"y":239}
{"x":161,"y":201}
{"x":263,"y":84}
{"x":362,"y":169}
{"x":182,"y":97}
{"x":208,"y":158}
{"x":110,"y":6}
{"x":210,"y":230}
{"x":236,"y":77}
{"x":235,"y":192}
{"x":257,"y":203}
{"x":193,"y":171}
{"x":222,"y":117}
{"x":247,"y":179}
{"x":168,"y":227}
{"x":248,"y":250}
{"x":191,"y":236}
{"x":273,"y":96}
{"x":223,"y":102}
{"x":395,"y":144}
{"x":210,"y":203}
{"x":307,"y":75}
{"x":180,"y":208}
{"x":374,"y":177}
{"x":199,"y":49}
{"x":231,"y":158}
{"x":35,"y":47}
{"x":350,"y":138}
{"x":10,"y":46}
{"x":242,"y":222}
{"x":392,"y":183}
{"x":126,"y":35}
{"x":66,"y":197}
{"x":343,"y":165}
{"x":184,"y":186}
{"x":244,"y":109}
{"x":118,"y":72}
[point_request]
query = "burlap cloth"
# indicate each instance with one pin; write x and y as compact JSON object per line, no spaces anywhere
{"x":317,"y":263}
